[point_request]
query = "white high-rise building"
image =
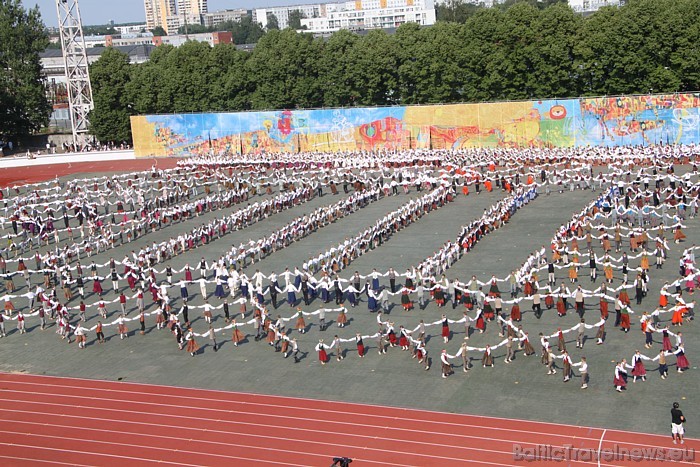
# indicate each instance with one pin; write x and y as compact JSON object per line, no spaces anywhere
{"x":192,"y":7}
{"x":214,"y":18}
{"x":589,"y":6}
{"x":352,"y":14}
{"x":158,"y":11}
{"x":261,"y":15}
{"x":171,"y":14}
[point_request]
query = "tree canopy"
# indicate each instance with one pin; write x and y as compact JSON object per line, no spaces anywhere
{"x":520,"y":52}
{"x":24,"y":108}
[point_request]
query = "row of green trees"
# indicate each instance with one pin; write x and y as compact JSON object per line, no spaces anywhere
{"x":24,"y":108}
{"x":518,"y":53}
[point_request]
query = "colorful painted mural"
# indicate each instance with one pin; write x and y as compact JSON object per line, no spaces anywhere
{"x":600,"y":121}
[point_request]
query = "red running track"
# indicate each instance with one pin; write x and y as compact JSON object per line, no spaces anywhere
{"x":39,"y":173}
{"x":70,"y":421}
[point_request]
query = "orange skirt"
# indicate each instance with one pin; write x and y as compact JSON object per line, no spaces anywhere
{"x":663,"y":301}
{"x":342,"y":318}
{"x":237,"y":336}
{"x":677,"y":317}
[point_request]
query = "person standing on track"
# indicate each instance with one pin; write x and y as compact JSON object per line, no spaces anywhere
{"x":677,"y":421}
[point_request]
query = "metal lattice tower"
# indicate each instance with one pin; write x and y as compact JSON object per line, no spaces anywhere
{"x":77,"y":73}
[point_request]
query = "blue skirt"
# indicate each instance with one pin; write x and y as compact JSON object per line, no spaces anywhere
{"x":184,"y":294}
{"x":371,"y":303}
{"x":219,"y":291}
{"x":324,"y":295}
{"x":291,"y":298}
{"x":375,"y":284}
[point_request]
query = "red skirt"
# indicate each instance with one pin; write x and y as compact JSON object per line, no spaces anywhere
{"x":392,"y":338}
{"x":666,"y":344}
{"x":560,"y":308}
{"x":604,"y":309}
{"x":322,"y":356}
{"x":445,"y":331}
{"x":624,"y":298}
{"x":403,"y":342}
{"x":549,"y":301}
{"x":682,"y":362}
{"x":663,"y":301}
{"x":639,"y":369}
{"x":480,"y":323}
{"x":122,"y":329}
{"x":515,"y":313}
{"x":192,"y":346}
{"x":360,"y":349}
{"x":625,"y":321}
{"x":96,"y":287}
{"x":619,"y":382}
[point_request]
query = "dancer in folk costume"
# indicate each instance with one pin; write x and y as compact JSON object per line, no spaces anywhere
{"x":561,"y":341}
{"x":445,"y":328}
{"x":121,"y":326}
{"x":360,"y":345}
{"x":446,"y":365}
{"x":406,"y":302}
{"x":682,"y":363}
{"x":403,"y":338}
{"x":638,"y":369}
{"x":620,"y":378}
{"x":342,"y":318}
{"x":300,"y":325}
{"x":236,"y":335}
{"x":663,"y":365}
{"x":480,"y":322}
{"x":192,"y":346}
{"x":525,"y":344}
{"x":583,"y":370}
{"x":336,"y":344}
{"x":566,"y":363}
{"x":321,"y":348}
{"x":487,"y":358}
{"x":420,"y":352}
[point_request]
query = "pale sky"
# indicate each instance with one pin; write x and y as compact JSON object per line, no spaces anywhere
{"x":129,"y":11}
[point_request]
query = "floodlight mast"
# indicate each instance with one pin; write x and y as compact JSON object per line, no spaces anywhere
{"x":76,"y":66}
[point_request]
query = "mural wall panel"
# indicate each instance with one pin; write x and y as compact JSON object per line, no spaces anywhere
{"x":599,"y":121}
